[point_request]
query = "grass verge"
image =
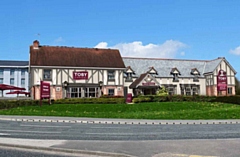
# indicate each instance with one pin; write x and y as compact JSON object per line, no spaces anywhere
{"x":162,"y":110}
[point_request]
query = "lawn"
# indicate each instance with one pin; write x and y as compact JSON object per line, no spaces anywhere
{"x":161,"y":110}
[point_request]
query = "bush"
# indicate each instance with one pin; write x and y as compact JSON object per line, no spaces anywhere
{"x":102,"y":100}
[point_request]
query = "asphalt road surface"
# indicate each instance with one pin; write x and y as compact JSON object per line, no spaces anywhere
{"x":174,"y":140}
{"x":69,"y":131}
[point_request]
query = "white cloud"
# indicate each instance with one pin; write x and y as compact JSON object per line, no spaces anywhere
{"x":169,"y":49}
{"x":59,"y":40}
{"x":236,"y":51}
{"x":101,"y":45}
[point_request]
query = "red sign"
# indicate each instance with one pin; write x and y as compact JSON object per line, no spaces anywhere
{"x":222,"y":81}
{"x":80,"y":75}
{"x":148,"y":84}
{"x":44,"y":90}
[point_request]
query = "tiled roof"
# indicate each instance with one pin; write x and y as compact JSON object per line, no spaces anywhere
{"x":75,"y":57}
{"x":164,"y":66}
{"x":11,"y":63}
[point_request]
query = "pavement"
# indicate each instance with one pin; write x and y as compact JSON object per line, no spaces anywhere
{"x":52,"y":145}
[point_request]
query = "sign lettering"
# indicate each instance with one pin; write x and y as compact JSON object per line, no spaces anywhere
{"x":148,"y":84}
{"x":80,"y":75}
{"x":222,"y":81}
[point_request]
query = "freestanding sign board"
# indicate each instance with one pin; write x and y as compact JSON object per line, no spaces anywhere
{"x":221,"y":81}
{"x":44,"y":91}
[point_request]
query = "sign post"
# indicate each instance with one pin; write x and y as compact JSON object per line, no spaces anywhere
{"x":44,"y":92}
{"x":222,"y":81}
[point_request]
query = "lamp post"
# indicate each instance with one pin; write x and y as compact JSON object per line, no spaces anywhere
{"x":65,"y":85}
{"x":100,"y":85}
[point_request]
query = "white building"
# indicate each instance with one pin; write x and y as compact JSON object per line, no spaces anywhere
{"x":91,"y":72}
{"x":14,"y":73}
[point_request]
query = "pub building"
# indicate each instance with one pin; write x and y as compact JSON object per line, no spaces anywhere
{"x":91,"y":72}
{"x":76,"y":72}
{"x":180,"y":77}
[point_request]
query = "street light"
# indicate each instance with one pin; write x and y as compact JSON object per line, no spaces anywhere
{"x":65,"y":85}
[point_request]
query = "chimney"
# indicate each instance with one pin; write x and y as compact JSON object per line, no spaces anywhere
{"x":35,"y":44}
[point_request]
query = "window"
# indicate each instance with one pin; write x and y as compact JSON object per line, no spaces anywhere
{"x":111,"y":92}
{"x":175,"y":72}
{"x":229,"y":90}
{"x":12,"y":72}
{"x":1,"y":72}
{"x":12,"y":81}
{"x":47,"y":74}
{"x":195,"y":91}
{"x":170,"y":90}
{"x":23,"y":72}
{"x":175,"y":78}
{"x":75,"y":92}
{"x":129,"y":76}
{"x":23,"y":82}
{"x":111,"y":75}
{"x":1,"y":80}
{"x":188,"y":91}
{"x":195,"y":78}
{"x":182,"y":91}
{"x":91,"y":92}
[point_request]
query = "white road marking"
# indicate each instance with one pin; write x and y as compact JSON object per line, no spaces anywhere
{"x":40,"y":132}
{"x":45,"y":126}
{"x":4,"y":134}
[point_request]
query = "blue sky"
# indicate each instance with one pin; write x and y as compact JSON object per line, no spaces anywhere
{"x":183,"y":29}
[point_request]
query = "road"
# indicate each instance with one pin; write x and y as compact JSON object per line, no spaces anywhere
{"x":69,"y":131}
{"x":142,"y":140}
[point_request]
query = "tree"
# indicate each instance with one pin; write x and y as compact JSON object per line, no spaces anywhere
{"x":237,"y":86}
{"x":162,"y":91}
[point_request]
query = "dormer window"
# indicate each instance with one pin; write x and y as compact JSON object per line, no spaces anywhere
{"x":195,"y":74}
{"x":129,"y":73}
{"x":152,"y":71}
{"x":175,"y":72}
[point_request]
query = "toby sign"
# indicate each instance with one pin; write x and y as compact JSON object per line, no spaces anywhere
{"x":222,"y":81}
{"x":80,"y":75}
{"x":44,"y":91}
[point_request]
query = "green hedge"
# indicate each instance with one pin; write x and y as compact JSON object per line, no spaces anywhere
{"x":178,"y":98}
{"x":7,"y":104}
{"x":102,"y":100}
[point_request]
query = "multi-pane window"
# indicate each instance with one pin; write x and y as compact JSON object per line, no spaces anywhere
{"x":1,"y":72}
{"x":188,"y":91}
{"x":111,"y":75}
{"x":182,"y":91}
{"x":12,"y":72}
{"x":22,"y":82}
{"x":195,"y":78}
{"x":75,"y":92}
{"x":195,"y":91}
{"x":129,"y":76}
{"x":11,"y":81}
{"x":47,"y":74}
{"x":1,"y":80}
{"x":170,"y":90}
{"x":91,"y":92}
{"x":111,"y":92}
{"x":229,"y":90}
{"x":175,"y":77}
{"x":23,"y":72}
